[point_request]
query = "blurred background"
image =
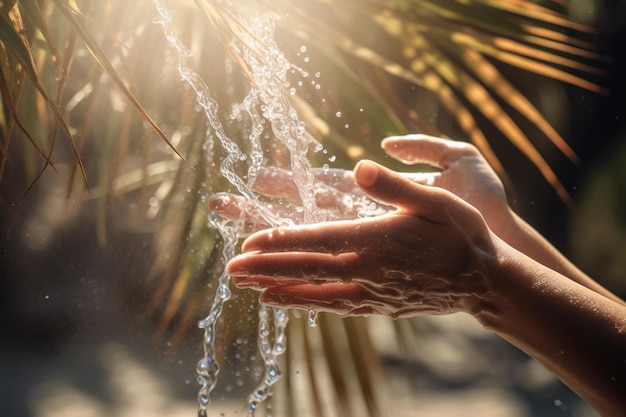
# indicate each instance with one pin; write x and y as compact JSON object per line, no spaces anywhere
{"x":108,"y":260}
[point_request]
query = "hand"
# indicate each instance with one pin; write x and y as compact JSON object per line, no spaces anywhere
{"x":465,"y":173}
{"x":335,"y":193}
{"x":430,"y":256}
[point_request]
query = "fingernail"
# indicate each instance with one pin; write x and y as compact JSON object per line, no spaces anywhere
{"x":366,"y":173}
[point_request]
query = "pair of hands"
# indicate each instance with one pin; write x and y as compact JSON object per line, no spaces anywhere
{"x":429,"y":251}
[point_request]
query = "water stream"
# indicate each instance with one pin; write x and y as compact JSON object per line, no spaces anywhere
{"x":268,"y":92}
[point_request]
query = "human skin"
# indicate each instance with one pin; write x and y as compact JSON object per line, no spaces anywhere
{"x":466,"y":174}
{"x":445,"y":250}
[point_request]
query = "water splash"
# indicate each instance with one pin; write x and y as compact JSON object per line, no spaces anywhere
{"x":269,"y":91}
{"x":210,"y":108}
{"x":208,"y":367}
{"x":312,"y":318}
{"x":269,"y":352}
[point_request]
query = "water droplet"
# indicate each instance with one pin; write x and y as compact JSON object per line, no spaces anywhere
{"x":312,"y":318}
{"x":338,"y":114}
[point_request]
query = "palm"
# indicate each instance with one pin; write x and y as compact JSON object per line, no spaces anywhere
{"x":335,"y":193}
{"x":425,"y":257}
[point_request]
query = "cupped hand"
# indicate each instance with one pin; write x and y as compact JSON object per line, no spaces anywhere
{"x":465,"y":172}
{"x":335,"y":193}
{"x":432,"y":255}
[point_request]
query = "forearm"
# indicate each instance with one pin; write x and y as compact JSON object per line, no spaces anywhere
{"x":575,"y":332}
{"x":521,"y":236}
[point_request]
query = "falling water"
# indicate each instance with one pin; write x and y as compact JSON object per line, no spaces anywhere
{"x":269,"y":93}
{"x":208,"y":367}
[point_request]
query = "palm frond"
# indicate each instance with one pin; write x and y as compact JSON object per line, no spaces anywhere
{"x":445,"y":47}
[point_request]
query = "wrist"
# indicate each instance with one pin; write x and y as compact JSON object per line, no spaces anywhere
{"x":493,"y":261}
{"x":502,"y":273}
{"x":508,"y":227}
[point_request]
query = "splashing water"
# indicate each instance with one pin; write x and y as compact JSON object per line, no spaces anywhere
{"x":210,"y":107}
{"x":269,"y":91}
{"x":269,"y":353}
{"x":207,"y":368}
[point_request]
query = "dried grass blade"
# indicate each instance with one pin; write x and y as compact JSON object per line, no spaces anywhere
{"x":484,"y":102}
{"x":22,"y":52}
{"x":367,"y":364}
{"x":490,"y":76}
{"x":541,"y":14}
{"x":556,"y":36}
{"x":527,"y":64}
{"x":9,"y":104}
{"x":34,"y":14}
{"x":435,"y":82}
{"x":310,"y":361}
{"x":74,"y":17}
{"x":332,"y":354}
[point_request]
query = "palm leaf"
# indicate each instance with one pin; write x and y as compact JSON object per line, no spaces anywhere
{"x":441,"y":36}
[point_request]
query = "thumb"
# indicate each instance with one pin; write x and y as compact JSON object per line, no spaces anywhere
{"x":392,"y":188}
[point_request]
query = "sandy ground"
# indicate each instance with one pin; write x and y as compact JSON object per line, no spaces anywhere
{"x":460,"y":370}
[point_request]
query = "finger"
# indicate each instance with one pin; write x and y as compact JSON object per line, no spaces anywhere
{"x":339,"y":179}
{"x":260,"y":283}
{"x":333,"y":188}
{"x":233,"y":206}
{"x":328,"y":237}
{"x":344,"y":299}
{"x":438,"y":152}
{"x":230,"y":205}
{"x":304,"y":267}
{"x":331,"y":237}
{"x":276,"y":182}
{"x":392,"y":188}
